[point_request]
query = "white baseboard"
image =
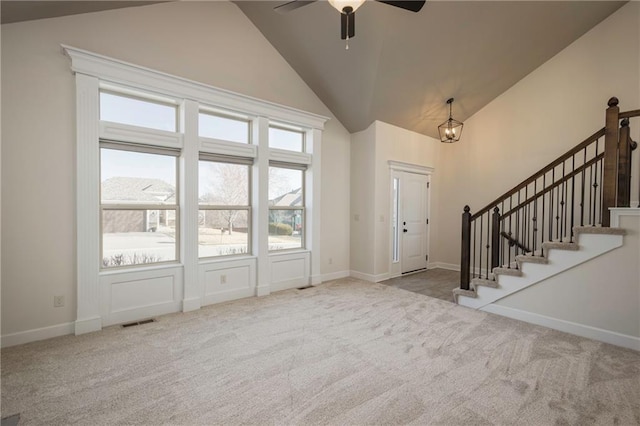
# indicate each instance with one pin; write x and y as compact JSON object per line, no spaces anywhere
{"x":263,"y":290}
{"x":315,"y":279}
{"x":335,"y":275}
{"x":36,"y":334}
{"x":88,"y":325}
{"x":369,"y":277}
{"x":442,"y":265}
{"x":590,"y":332}
{"x":192,"y":304}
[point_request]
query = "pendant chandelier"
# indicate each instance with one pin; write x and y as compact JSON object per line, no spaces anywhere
{"x":451,"y":130}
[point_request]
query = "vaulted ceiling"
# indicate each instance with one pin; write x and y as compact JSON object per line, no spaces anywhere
{"x":400,"y":67}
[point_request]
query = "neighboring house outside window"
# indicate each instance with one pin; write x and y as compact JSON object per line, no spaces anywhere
{"x":286,"y":207}
{"x":138,"y":214}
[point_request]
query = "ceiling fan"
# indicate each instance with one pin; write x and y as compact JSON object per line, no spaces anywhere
{"x":347,"y":9}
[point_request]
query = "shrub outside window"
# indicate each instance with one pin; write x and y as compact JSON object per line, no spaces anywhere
{"x":286,"y":207}
{"x":224,"y":216}
{"x":138,"y":207}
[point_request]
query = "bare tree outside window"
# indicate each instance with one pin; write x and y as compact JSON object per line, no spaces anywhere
{"x":223,"y":231}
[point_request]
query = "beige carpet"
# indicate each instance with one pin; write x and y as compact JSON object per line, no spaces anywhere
{"x":346,"y":352}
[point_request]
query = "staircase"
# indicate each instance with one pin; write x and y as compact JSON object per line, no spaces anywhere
{"x":529,"y":269}
{"x":555,"y":220}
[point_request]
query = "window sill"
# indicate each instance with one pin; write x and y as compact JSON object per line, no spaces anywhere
{"x":133,"y":269}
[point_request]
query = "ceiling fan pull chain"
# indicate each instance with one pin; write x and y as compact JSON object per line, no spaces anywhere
{"x":347,"y":39}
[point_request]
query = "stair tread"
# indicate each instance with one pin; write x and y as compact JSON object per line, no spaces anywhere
{"x":507,"y":271}
{"x":460,"y":292}
{"x":564,"y":245}
{"x":599,"y":230}
{"x":532,"y":259}
{"x":484,"y":282}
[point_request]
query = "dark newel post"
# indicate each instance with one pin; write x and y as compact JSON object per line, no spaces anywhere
{"x":624,"y":166}
{"x":495,"y":238}
{"x":465,"y":258}
{"x":610,"y":177}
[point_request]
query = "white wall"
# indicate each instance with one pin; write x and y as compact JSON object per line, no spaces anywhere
{"x":545,"y":114}
{"x":603,"y":293}
{"x":210,"y":42}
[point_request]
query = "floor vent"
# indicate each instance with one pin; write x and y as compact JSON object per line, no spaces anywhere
{"x":132,"y":324}
{"x":305,"y":287}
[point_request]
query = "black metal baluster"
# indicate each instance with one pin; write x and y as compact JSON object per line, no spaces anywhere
{"x":488,"y":242}
{"x":516,"y":248}
{"x":600,"y":189}
{"x":595,"y":194}
{"x":573,"y":193}
{"x":553,"y":180}
{"x":558,"y":212}
{"x":582,"y":189}
{"x":480,"y":248}
{"x":502,"y":245}
{"x":510,"y":216}
{"x":473,"y":273}
{"x":594,"y":184}
{"x":562,"y":203}
{"x":591,"y":208}
{"x":525,"y":208}
{"x":535,"y":214}
{"x":544,"y":186}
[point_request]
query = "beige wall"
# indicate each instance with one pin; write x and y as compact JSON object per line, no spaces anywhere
{"x":363,"y":154}
{"x":548,"y":112}
{"x":397,"y":144}
{"x":371,"y":151}
{"x":210,"y":42}
{"x":602,"y":293}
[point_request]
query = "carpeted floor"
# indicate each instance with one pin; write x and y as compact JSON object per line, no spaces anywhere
{"x":345,"y":352}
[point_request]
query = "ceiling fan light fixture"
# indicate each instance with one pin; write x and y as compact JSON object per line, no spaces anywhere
{"x":340,"y":5}
{"x":451,"y":130}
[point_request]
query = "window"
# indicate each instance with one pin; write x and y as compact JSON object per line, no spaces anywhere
{"x":286,"y":206}
{"x":139,"y":210}
{"x":286,"y":138}
{"x":395,"y":220}
{"x":222,"y":127}
{"x":224,"y":219}
{"x":126,"y":109}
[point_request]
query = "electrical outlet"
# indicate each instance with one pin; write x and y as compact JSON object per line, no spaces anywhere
{"x":58,"y":301}
{"x":330,"y":260}
{"x":223,"y":279}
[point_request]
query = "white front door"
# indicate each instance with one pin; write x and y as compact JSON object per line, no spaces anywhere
{"x":413,"y":229}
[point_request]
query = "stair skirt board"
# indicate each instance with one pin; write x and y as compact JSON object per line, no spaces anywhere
{"x":607,"y":336}
{"x":559,"y":259}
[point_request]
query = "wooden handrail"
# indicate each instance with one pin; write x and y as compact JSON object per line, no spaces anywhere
{"x":597,"y":135}
{"x":554,"y":185}
{"x":629,"y":114}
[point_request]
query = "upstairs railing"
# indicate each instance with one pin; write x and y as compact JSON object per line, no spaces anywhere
{"x":577,"y":188}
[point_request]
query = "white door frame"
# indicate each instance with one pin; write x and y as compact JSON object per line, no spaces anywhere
{"x":395,"y":167}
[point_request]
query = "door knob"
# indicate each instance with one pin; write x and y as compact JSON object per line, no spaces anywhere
{"x":404,"y":230}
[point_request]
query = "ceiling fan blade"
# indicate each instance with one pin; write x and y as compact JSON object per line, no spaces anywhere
{"x":292,"y":5}
{"x":347,"y":25}
{"x":413,"y":6}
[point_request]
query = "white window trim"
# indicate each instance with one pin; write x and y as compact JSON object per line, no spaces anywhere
{"x":93,"y":72}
